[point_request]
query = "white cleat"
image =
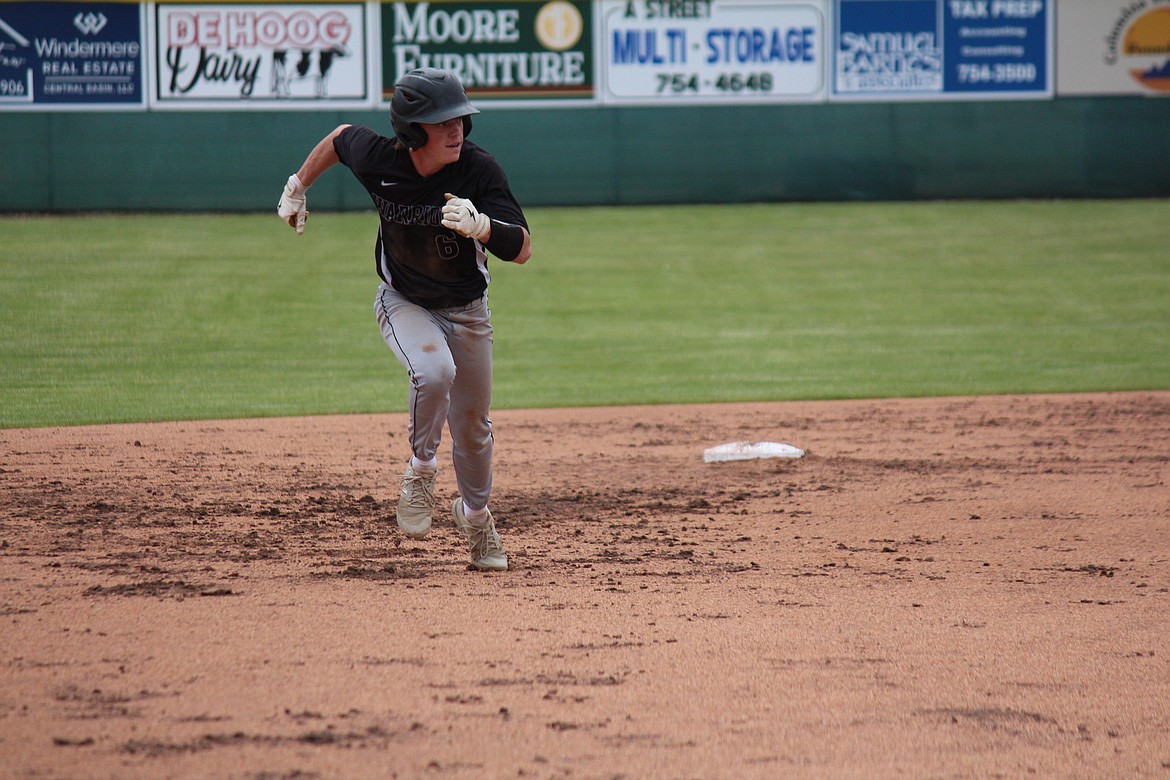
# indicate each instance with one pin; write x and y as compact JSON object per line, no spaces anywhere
{"x":487,"y":551}
{"x":416,"y":503}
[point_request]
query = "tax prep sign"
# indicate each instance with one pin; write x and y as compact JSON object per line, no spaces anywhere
{"x":712,"y":51}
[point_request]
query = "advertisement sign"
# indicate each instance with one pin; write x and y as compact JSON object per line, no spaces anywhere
{"x":887,"y":48}
{"x":60,"y":55}
{"x":270,"y":56}
{"x":1114,"y":47}
{"x":712,"y":51}
{"x":942,"y":49}
{"x":500,"y":50}
{"x":997,"y":46}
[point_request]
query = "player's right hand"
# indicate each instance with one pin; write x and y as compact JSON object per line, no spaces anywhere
{"x":292,"y":207}
{"x":461,"y":216}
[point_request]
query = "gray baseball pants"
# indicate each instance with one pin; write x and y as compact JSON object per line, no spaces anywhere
{"x":448,"y":356}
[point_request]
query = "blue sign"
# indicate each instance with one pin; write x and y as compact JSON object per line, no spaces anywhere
{"x":887,"y":47}
{"x":71,"y":54}
{"x":942,"y":48}
{"x":996,"y":46}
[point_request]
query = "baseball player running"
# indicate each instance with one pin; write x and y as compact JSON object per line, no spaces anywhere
{"x":442,"y":203}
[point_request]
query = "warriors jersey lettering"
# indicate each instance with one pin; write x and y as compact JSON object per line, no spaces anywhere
{"x":430,"y":265}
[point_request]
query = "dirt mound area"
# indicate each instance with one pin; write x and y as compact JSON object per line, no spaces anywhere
{"x":968,"y":587}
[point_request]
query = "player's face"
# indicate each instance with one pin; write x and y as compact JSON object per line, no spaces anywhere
{"x":445,"y":141}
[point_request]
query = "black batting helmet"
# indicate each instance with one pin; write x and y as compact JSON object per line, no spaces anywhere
{"x":427,"y":96}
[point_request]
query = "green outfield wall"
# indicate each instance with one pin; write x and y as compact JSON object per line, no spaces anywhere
{"x":239,"y":160}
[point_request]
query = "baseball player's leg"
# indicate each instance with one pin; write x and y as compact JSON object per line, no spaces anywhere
{"x":420,"y":344}
{"x":471,"y":436}
{"x":419,"y":341}
{"x":470,"y":341}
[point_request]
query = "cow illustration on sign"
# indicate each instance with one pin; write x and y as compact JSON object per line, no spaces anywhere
{"x":311,"y":65}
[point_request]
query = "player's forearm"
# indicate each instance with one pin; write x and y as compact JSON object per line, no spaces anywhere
{"x":525,"y":250}
{"x":322,"y":158}
{"x":515,"y":247}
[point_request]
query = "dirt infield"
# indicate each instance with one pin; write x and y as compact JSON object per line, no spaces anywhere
{"x":969,"y":587}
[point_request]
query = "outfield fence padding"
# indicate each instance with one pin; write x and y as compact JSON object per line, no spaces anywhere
{"x":238,"y":160}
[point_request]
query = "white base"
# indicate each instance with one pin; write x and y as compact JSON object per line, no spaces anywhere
{"x":746,"y":450}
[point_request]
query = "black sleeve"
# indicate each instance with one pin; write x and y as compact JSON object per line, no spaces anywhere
{"x":507,"y":240}
{"x":358,"y":147}
{"x":493,"y":196}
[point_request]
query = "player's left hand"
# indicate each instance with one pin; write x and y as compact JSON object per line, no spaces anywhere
{"x":292,"y":207}
{"x":460,"y":215}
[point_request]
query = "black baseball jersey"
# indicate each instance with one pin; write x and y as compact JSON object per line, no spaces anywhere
{"x":427,"y":263}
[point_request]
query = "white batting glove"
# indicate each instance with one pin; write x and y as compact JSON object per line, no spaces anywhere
{"x":292,"y":207}
{"x":460,"y":215}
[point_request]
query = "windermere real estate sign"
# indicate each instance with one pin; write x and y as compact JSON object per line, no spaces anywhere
{"x":79,"y":55}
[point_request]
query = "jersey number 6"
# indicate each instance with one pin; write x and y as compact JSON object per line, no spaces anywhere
{"x":447,"y":246}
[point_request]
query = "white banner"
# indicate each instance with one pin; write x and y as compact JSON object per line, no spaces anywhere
{"x":274,"y":56}
{"x":1113,"y":47}
{"x":711,"y":51}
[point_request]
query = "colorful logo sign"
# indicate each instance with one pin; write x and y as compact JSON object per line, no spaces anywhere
{"x":1144,"y":46}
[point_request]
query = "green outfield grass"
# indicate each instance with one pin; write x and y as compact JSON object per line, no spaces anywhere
{"x":143,"y":317}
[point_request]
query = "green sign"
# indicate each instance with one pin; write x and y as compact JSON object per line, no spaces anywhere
{"x":500,"y":50}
